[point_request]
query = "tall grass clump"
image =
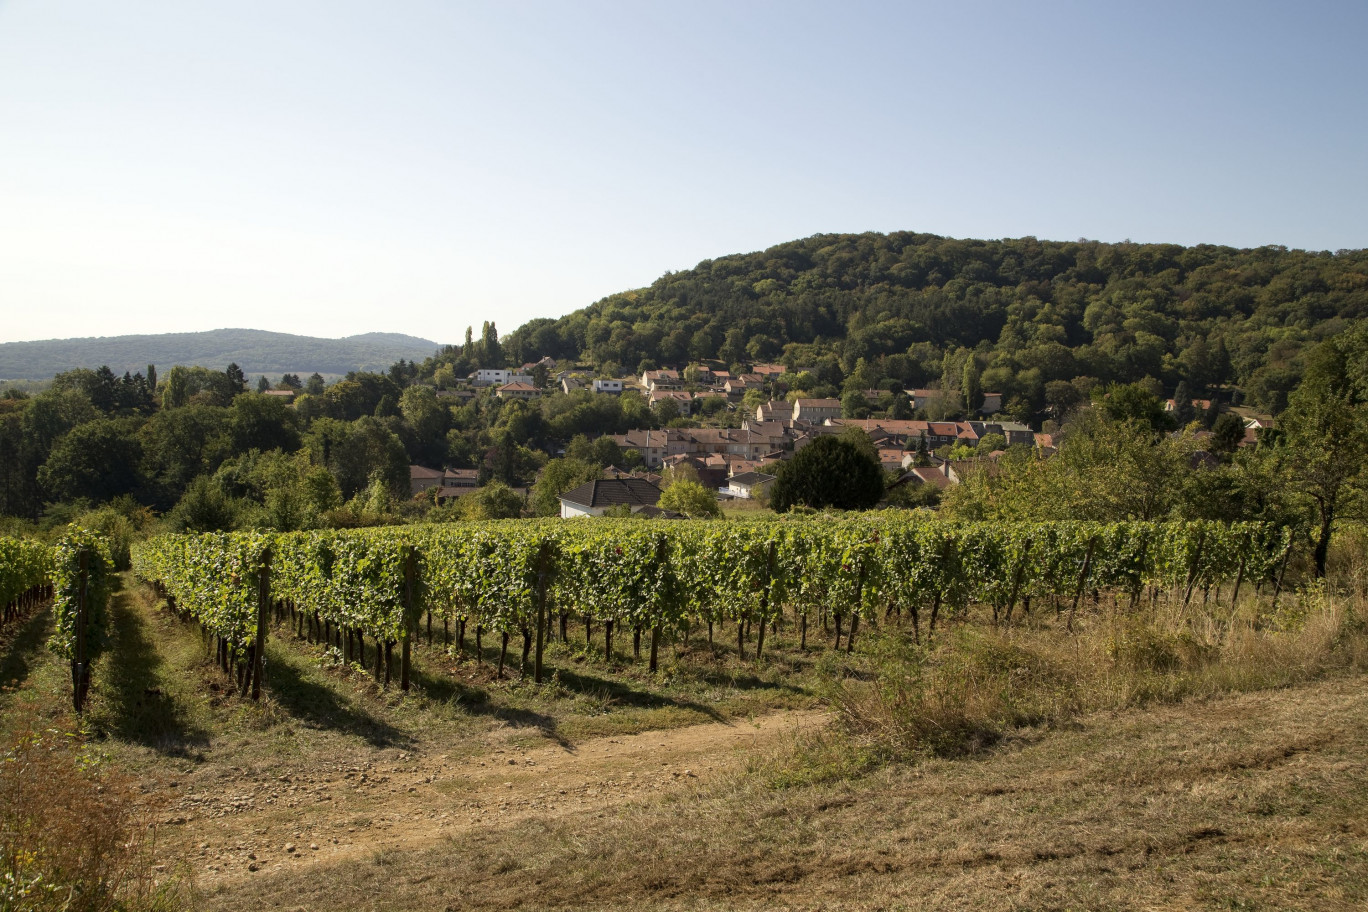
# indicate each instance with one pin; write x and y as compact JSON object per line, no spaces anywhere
{"x":74,"y":836}
{"x":962,"y":694}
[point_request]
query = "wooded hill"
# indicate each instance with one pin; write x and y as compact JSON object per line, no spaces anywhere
{"x":1032,"y":312}
{"x":253,"y":350}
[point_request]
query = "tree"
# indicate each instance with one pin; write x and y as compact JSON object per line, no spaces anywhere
{"x":969,"y":385}
{"x":691,"y":499}
{"x":923,"y":457}
{"x":991,"y":442}
{"x":491,"y":352}
{"x":263,"y":384}
{"x":665,"y":410}
{"x":559,"y":476}
{"x":1062,"y":397}
{"x":1131,"y":402}
{"x":1227,"y":433}
{"x":237,"y":380}
{"x":98,"y":460}
{"x":1327,"y":433}
{"x":315,"y":385}
{"x":1183,"y":411}
{"x":829,"y":472}
{"x":262,"y":423}
{"x":495,"y":500}
{"x":204,"y":508}
{"x":853,"y":405}
{"x":733,"y":348}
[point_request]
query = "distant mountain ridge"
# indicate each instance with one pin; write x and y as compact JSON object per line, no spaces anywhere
{"x":255,"y":351}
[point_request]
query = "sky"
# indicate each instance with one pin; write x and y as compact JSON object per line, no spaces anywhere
{"x":332,"y":168}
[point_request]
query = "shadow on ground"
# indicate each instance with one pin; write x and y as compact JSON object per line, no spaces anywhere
{"x":137,"y":702}
{"x":321,"y":706}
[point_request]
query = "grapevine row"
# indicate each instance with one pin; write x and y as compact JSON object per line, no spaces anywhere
{"x":76,"y":573}
{"x":25,"y":567}
{"x":505,"y":577}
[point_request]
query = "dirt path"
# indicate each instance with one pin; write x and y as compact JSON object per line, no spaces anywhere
{"x":307,"y":816}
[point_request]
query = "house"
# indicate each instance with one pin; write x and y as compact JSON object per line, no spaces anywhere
{"x":992,"y":403}
{"x":518,"y":390}
{"x":932,"y":475}
{"x":684,"y":398}
{"x":594,"y":498}
{"x":922,"y":398}
{"x":570,"y":385}
{"x":891,"y":458}
{"x":420,"y":479}
{"x":774,"y":410}
{"x":612,"y":387}
{"x":653,"y":446}
{"x":769,"y":371}
{"x":816,"y":410}
{"x":748,"y":484}
{"x":710,"y":476}
{"x":455,"y":397}
{"x":1013,"y":431}
{"x":660,"y":379}
{"x":547,"y":362}
{"x":1200,"y":405}
{"x":497,"y":376}
{"x":287,"y":395}
{"x":737,"y":387}
{"x":460,"y":478}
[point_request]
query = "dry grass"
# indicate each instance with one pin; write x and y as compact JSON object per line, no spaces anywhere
{"x":977,"y":684}
{"x":1254,"y":801}
{"x":1128,"y":769}
{"x":74,"y":835}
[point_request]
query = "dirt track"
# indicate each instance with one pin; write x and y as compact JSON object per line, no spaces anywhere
{"x":303,"y":817}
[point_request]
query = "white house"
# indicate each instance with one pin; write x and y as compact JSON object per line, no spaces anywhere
{"x":747,"y":485}
{"x":607,"y":386}
{"x":498,"y":376}
{"x":593,"y":498}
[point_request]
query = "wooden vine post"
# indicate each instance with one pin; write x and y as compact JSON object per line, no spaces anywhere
{"x":80,"y":663}
{"x":543,"y":571}
{"x":263,"y":621}
{"x":765,"y":605}
{"x":1196,"y":566}
{"x":1082,"y":580}
{"x":410,"y":575}
{"x":655,"y":628}
{"x":1016,"y":581}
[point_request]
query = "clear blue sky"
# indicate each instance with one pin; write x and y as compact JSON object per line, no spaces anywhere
{"x":331,"y":168}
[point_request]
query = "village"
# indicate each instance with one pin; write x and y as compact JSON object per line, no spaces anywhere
{"x":730,"y":431}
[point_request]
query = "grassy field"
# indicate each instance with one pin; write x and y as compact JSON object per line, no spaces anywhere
{"x":1206,"y":758}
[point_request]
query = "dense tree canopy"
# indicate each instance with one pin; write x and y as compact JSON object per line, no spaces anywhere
{"x":829,"y":472}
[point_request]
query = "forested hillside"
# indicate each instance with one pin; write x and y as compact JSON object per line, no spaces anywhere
{"x":1033,"y":312}
{"x":253,"y":350}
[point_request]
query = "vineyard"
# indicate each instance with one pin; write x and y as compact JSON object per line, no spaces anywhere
{"x":75,"y":574}
{"x":523,"y":580}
